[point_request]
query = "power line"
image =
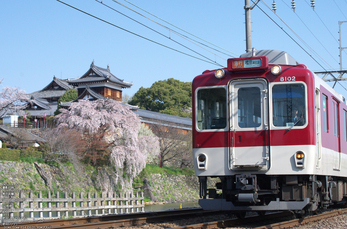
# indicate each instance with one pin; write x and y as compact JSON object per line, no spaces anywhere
{"x":296,"y":41}
{"x":288,"y":34}
{"x":336,"y":40}
{"x":154,"y":30}
{"x":308,"y":28}
{"x":107,"y":22}
{"x":340,"y":9}
{"x":324,"y":24}
{"x":174,"y":27}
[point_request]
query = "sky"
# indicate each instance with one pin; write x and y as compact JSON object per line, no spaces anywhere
{"x":45,"y":38}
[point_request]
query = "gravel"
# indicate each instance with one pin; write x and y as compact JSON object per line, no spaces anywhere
{"x":333,"y":222}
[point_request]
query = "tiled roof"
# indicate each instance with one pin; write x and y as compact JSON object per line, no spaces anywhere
{"x":43,"y":106}
{"x":102,"y":74}
{"x":164,"y":119}
{"x":48,"y":94}
{"x":27,"y":137}
{"x":90,"y":92}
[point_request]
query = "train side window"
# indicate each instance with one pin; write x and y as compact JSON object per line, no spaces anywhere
{"x":325,"y":112}
{"x":289,"y":105}
{"x":211,"y":109}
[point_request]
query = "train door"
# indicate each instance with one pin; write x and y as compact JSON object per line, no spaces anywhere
{"x":249,"y":134}
{"x":318,"y":129}
{"x":336,"y":134}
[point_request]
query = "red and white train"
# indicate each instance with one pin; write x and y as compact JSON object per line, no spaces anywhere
{"x":272,"y":132}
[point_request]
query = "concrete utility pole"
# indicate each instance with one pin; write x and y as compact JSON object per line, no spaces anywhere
{"x":248,"y":25}
{"x":248,"y":9}
{"x":341,"y":48}
{"x":340,"y":73}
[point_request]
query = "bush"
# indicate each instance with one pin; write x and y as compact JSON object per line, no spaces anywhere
{"x":30,"y":152}
{"x":9,"y":154}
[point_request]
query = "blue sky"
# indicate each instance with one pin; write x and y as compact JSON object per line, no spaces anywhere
{"x":45,"y":38}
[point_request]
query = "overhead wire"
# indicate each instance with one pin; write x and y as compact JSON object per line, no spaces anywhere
{"x":295,"y":40}
{"x":175,"y":27}
{"x":308,"y":28}
{"x":324,"y":25}
{"x":145,"y":38}
{"x":288,"y":33}
{"x":340,"y":9}
{"x":177,"y":33}
{"x":99,"y":1}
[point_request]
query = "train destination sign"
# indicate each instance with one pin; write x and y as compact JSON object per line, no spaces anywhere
{"x":252,"y":63}
{"x":247,"y":63}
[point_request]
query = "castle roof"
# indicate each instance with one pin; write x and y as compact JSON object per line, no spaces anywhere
{"x":97,"y":74}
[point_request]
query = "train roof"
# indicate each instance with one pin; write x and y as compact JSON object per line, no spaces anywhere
{"x":274,"y":56}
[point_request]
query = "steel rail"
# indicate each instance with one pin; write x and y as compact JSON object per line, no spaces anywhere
{"x":236,"y":222}
{"x":305,"y":220}
{"x":108,"y":220}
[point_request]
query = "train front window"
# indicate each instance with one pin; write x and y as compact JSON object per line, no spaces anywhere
{"x":288,"y":101}
{"x":249,"y":107}
{"x":211,"y":109}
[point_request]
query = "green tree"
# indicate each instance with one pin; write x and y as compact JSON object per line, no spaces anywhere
{"x":69,"y":95}
{"x":169,"y":96}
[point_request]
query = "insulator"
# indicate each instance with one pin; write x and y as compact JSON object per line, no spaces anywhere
{"x":293,"y":5}
{"x":313,"y":4}
{"x":274,"y":6}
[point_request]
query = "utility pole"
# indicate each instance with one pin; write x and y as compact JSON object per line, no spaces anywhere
{"x":341,"y":48}
{"x":341,"y":72}
{"x":248,"y":9}
{"x":248,"y":25}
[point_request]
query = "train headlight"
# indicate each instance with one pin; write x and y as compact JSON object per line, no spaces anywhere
{"x":202,"y":161}
{"x":299,"y":159}
{"x":219,"y":73}
{"x":276,"y":70}
{"x":202,"y":158}
{"x":300,"y":155}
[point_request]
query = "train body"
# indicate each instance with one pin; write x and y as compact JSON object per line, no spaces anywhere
{"x":272,"y":132}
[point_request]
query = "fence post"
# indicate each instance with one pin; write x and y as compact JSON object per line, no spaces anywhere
{"x":126,"y":196}
{"x":66,"y":204}
{"x":109,"y":203}
{"x":142,"y":204}
{"x":21,"y":204}
{"x":57,"y":203}
{"x":102,"y":203}
{"x":40,"y":205}
{"x":49,"y":204}
{"x":31,"y":213}
{"x":81,"y":204}
{"x":96,"y":203}
{"x":74,"y":204}
{"x":89,"y":204}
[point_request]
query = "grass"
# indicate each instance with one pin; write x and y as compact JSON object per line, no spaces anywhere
{"x":31,"y":159}
{"x":155,"y":169}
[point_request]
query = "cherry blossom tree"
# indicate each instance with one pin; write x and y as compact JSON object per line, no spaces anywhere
{"x":129,"y":149}
{"x":12,"y":99}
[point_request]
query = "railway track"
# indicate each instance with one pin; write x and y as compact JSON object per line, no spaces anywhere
{"x":273,"y":221}
{"x":110,"y":221}
{"x":169,"y":218}
{"x":306,"y":220}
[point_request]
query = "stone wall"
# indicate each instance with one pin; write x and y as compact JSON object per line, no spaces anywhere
{"x":66,"y":178}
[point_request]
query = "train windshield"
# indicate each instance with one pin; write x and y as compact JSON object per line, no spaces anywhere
{"x":249,"y":107}
{"x":211,"y":113}
{"x":288,"y":101}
